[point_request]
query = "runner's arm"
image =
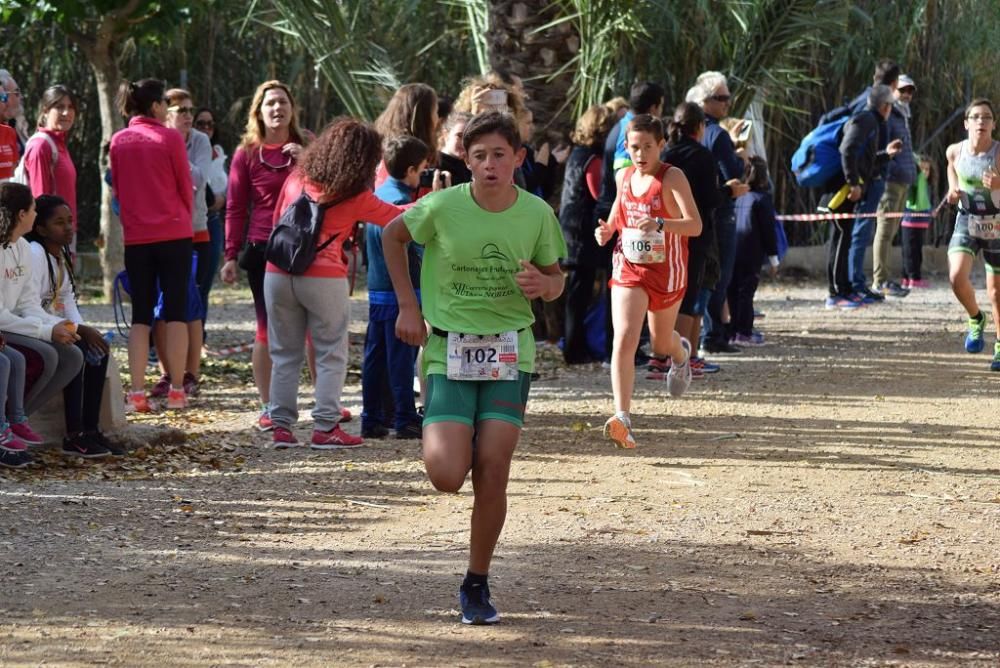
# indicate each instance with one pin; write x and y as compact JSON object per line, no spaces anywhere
{"x":684,"y":217}
{"x":953,"y":189}
{"x":546,"y":282}
{"x":410,"y":324}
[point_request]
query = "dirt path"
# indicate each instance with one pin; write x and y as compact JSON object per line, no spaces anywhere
{"x":830,"y":499}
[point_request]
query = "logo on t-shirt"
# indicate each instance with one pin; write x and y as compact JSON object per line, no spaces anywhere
{"x":492,"y":252}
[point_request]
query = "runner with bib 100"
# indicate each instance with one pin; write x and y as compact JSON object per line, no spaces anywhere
{"x":974,"y":184}
{"x":653,"y":214}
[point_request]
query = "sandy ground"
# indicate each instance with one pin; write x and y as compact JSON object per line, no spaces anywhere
{"x":830,"y":499}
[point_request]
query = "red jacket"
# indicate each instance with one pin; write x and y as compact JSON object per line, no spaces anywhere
{"x":339,"y":219}
{"x":152,"y":180}
{"x":43,"y":179}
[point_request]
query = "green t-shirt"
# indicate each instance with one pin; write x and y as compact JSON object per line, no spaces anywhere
{"x":470,"y":258}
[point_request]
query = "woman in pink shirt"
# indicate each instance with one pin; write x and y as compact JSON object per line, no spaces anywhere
{"x":47,"y":161}
{"x":338,"y":169}
{"x":266,"y":156}
{"x":152,"y":181}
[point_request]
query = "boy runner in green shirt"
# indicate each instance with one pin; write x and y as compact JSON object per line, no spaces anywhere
{"x":489,"y":248}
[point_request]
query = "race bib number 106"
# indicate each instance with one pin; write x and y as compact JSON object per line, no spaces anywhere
{"x":643,"y":247}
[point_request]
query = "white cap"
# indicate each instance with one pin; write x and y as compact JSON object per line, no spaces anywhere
{"x":905,"y":82}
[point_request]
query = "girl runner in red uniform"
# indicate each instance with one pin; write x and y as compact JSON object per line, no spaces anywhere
{"x":654,"y":213}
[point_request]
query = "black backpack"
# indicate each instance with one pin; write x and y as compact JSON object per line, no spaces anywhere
{"x":292,"y":245}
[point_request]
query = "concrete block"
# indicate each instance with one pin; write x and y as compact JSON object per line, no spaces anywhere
{"x":49,"y":420}
{"x":812,"y":260}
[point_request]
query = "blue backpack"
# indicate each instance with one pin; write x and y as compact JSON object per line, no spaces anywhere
{"x":817,"y":159}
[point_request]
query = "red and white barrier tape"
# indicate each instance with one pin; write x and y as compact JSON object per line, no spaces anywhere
{"x":845,"y":216}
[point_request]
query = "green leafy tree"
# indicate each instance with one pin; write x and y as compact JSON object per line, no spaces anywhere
{"x":104,"y":31}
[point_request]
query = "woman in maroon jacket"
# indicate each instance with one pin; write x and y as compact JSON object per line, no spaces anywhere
{"x":266,"y":156}
{"x":152,"y":181}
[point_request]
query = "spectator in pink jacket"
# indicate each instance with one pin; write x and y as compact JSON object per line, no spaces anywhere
{"x":47,"y":161}
{"x":266,"y":156}
{"x":152,"y":181}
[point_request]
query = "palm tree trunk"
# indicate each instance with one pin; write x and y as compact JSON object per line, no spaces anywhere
{"x":517,"y":44}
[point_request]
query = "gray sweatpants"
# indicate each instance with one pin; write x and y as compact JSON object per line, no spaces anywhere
{"x":296,"y":305}
{"x":60,"y":364}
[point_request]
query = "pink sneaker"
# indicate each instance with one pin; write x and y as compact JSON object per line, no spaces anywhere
{"x":905,"y":283}
{"x":137,"y":402}
{"x":176,"y":399}
{"x":264,"y":422}
{"x":345,"y":415}
{"x":919,"y":283}
{"x":26,"y":434}
{"x":283,"y":438}
{"x":11,"y":443}
{"x":161,"y":388}
{"x":335,"y":439}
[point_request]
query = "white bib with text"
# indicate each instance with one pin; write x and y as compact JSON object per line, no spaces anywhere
{"x":984,"y":227}
{"x":482,"y":357}
{"x":643,"y":247}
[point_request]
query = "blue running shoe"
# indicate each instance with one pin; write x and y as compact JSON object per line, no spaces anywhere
{"x":995,"y":364}
{"x":477,"y":609}
{"x":974,"y":342}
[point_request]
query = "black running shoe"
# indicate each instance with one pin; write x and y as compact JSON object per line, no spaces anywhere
{"x":81,"y":446}
{"x":14,"y":460}
{"x":375,"y":431}
{"x":721,"y":348}
{"x":410,"y":431}
{"x":100,"y":439}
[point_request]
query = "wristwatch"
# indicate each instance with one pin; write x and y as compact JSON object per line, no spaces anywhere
{"x":659,"y":224}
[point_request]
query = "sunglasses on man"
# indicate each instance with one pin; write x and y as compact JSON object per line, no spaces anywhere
{"x":720,"y":98}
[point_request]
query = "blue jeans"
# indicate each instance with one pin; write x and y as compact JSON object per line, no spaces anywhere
{"x":387,"y":360}
{"x":861,"y":237}
{"x":209,"y":265}
{"x":725,"y":234}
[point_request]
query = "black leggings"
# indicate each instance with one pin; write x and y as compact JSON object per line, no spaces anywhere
{"x":82,"y":397}
{"x":912,"y":243}
{"x":837,"y":276}
{"x":165,"y":265}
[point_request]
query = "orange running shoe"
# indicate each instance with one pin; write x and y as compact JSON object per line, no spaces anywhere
{"x":619,"y":430}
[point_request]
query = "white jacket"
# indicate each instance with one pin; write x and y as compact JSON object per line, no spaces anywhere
{"x":21,"y":309}
{"x":64,"y":303}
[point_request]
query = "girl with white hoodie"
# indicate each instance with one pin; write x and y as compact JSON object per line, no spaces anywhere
{"x":23,"y":321}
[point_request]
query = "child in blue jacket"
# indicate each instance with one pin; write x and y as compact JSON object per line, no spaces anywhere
{"x":387,"y":359}
{"x":756,"y":243}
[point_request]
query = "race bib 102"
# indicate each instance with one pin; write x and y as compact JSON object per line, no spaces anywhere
{"x":482,"y":357}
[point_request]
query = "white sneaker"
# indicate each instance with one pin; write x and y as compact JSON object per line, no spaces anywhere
{"x":679,"y":376}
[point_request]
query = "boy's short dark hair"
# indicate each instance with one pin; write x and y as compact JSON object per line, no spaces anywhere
{"x":644,"y":96}
{"x":492,"y":122}
{"x":646,"y":123}
{"x":886,"y":72}
{"x":979,"y":102}
{"x":404,"y":152}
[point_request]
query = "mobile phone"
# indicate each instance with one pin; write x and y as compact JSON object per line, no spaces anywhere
{"x":496,"y":97}
{"x":427,"y":178}
{"x":744,"y":134}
